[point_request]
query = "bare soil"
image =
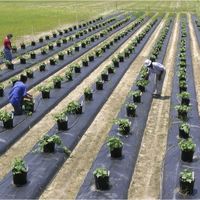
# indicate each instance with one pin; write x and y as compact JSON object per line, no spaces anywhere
{"x":69,"y":179}
{"x":146,"y":178}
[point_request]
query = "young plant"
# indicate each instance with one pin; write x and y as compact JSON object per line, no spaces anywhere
{"x":187,"y":181}
{"x":184,"y":130}
{"x":69,"y":74}
{"x":54,"y":139}
{"x":187,"y":149}
{"x":184,"y":95}
{"x":88,"y":94}
{"x":19,"y":171}
{"x":131,"y":109}
{"x":114,"y":142}
{"x":101,"y":172}
{"x":101,"y":176}
{"x":187,"y":145}
{"x":57,"y":79}
{"x":124,"y":125}
{"x":73,"y":107}
{"x":5,"y":116}
{"x":44,"y":88}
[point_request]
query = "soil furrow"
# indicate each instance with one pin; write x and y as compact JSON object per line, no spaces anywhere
{"x":146,"y":180}
{"x":69,"y":179}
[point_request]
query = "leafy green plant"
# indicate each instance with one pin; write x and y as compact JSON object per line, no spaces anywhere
{"x":44,"y":50}
{"x":61,"y":54}
{"x":101,"y":172}
{"x":123,"y":124}
{"x":29,"y":71}
{"x":69,"y":74}
{"x":44,"y":88}
{"x":187,"y":145}
{"x":87,"y":90}
{"x":73,"y":107}
{"x":136,"y":93}
{"x":60,"y":117}
{"x":184,"y":95}
{"x":185,"y":127}
{"x":114,"y":142}
{"x":131,"y":106}
{"x":57,"y":79}
{"x":46,"y":139}
{"x":142,"y":82}
{"x":5,"y":116}
{"x":99,"y":80}
{"x":182,"y":108}
{"x":18,"y":166}
{"x":187,"y":176}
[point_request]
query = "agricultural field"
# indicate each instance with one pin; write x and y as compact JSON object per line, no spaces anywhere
{"x":95,"y":129}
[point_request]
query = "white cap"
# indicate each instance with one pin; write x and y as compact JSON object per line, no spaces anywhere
{"x":147,"y":63}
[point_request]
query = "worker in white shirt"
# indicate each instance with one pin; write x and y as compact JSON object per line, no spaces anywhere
{"x":159,"y":70}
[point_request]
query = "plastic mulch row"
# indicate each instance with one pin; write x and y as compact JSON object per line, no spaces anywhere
{"x":42,"y":167}
{"x":8,"y":137}
{"x":40,"y":76}
{"x":121,"y":169}
{"x":197,"y":29}
{"x":7,"y":73}
{"x":173,"y":164}
{"x":52,"y":39}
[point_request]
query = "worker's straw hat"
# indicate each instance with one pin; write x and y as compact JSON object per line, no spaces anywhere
{"x":147,"y":63}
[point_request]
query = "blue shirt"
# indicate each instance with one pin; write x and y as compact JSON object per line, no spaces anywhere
{"x":17,"y":93}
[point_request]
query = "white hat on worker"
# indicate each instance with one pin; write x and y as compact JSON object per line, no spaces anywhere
{"x":147,"y":63}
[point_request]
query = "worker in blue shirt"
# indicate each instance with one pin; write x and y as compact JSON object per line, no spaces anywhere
{"x":17,"y":94}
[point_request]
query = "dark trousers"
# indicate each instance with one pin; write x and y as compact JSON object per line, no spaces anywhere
{"x":18,"y":109}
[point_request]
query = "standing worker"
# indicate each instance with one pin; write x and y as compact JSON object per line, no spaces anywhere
{"x":8,"y":47}
{"x":17,"y":94}
{"x":159,"y":70}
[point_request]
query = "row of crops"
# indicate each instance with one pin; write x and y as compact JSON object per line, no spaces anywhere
{"x":75,"y":53}
{"x":180,"y":167}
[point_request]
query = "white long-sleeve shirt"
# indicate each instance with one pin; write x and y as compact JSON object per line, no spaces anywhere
{"x":157,"y":68}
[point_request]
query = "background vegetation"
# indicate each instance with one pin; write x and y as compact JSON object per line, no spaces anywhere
{"x":30,"y":17}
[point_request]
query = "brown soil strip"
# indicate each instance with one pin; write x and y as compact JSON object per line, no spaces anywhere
{"x":69,"y":179}
{"x":146,"y":179}
{"x":195,"y":51}
{"x":24,"y":145}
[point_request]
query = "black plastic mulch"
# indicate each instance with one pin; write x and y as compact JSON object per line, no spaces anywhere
{"x":8,"y":137}
{"x":52,"y":39}
{"x":172,"y":163}
{"x":42,"y":167}
{"x":197,"y":29}
{"x":121,"y":170}
{"x":7,"y":73}
{"x":50,"y":69}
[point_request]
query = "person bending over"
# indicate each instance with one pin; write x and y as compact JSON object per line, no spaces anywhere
{"x":159,"y":70}
{"x":17,"y":94}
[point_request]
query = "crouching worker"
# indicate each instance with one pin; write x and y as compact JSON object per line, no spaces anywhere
{"x":17,"y":94}
{"x":159,"y":70}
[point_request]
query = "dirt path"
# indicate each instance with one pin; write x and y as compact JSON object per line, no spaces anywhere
{"x":195,"y":51}
{"x":24,"y":145}
{"x":146,"y":180}
{"x":69,"y":179}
